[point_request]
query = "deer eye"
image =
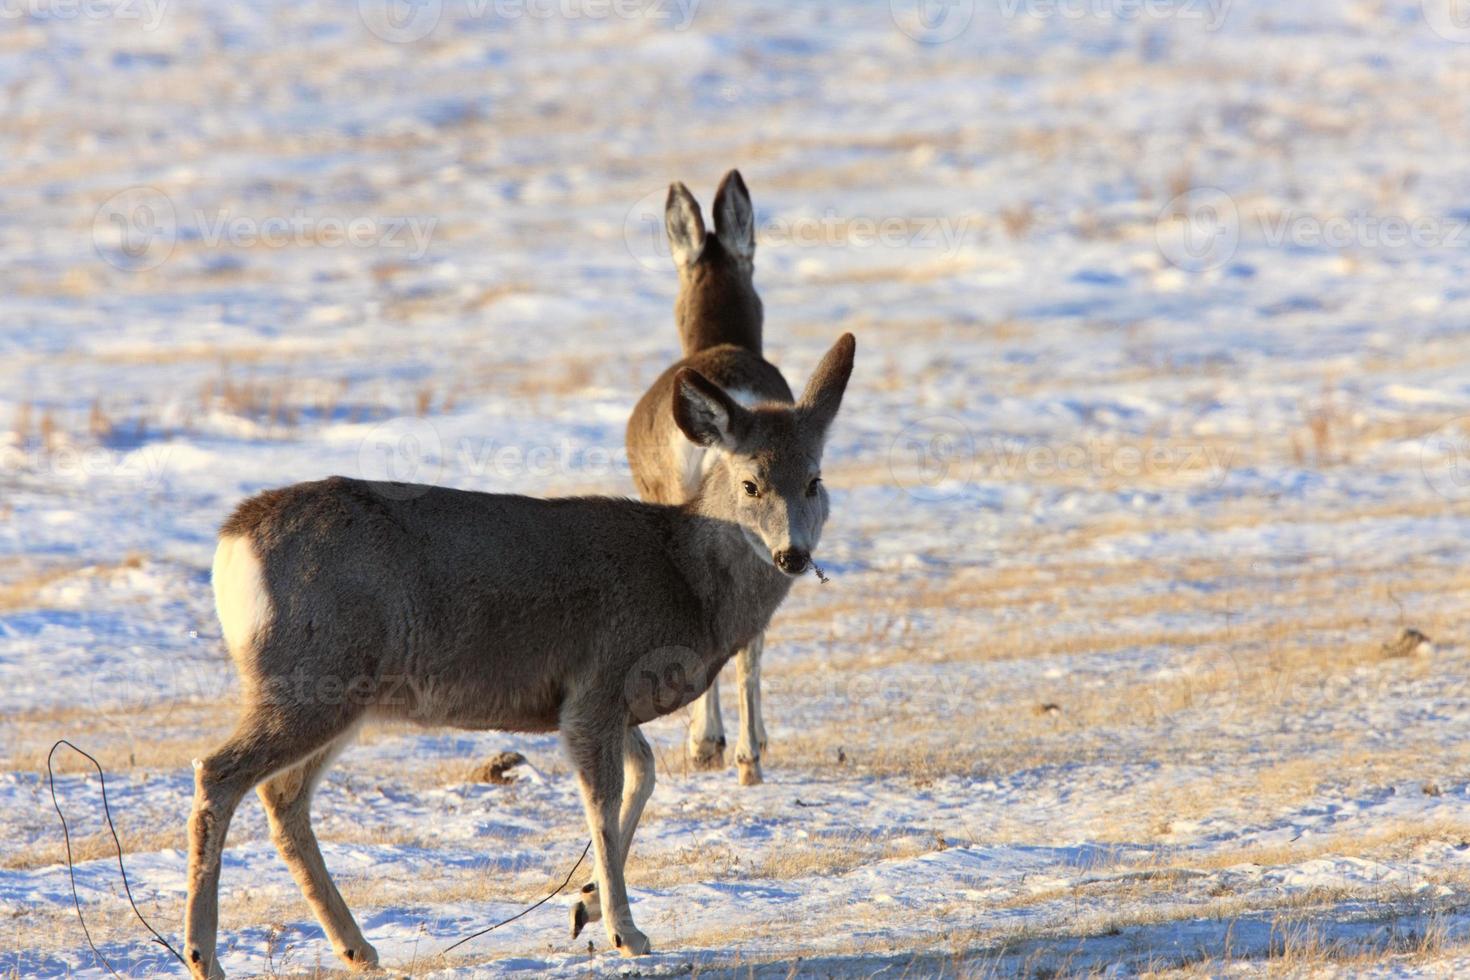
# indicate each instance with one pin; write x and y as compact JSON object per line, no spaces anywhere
{"x":751,"y":490}
{"x":811,"y":488}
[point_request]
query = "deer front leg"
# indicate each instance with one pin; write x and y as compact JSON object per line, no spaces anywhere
{"x":596,"y":752}
{"x":752,"y":742}
{"x":638,"y":776}
{"x":707,"y":731}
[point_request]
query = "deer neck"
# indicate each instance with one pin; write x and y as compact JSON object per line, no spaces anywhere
{"x":738,"y":590}
{"x":718,"y":307}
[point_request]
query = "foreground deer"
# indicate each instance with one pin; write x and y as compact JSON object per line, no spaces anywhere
{"x":719,"y":317}
{"x":345,"y":600}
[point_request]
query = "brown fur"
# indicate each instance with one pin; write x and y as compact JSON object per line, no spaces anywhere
{"x":652,"y":433}
{"x":446,"y":607}
{"x":717,"y":302}
{"x":720,"y":321}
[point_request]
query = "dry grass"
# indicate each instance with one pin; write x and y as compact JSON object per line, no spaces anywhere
{"x":1274,"y":669}
{"x":1186,"y":666}
{"x":90,"y":847}
{"x":21,"y":426}
{"x":1386,"y":843}
{"x":20,"y":590}
{"x":19,"y":593}
{"x":832,"y":855}
{"x":1305,"y":949}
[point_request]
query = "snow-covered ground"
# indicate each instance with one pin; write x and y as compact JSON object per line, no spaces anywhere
{"x":1160,"y":429}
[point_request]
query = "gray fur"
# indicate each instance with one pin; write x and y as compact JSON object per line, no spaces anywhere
{"x":481,"y":611}
{"x":720,"y":319}
{"x":735,"y":217}
{"x":717,"y":302}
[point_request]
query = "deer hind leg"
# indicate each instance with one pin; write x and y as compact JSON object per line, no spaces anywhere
{"x":638,"y":777}
{"x":596,"y":752}
{"x":752,"y":742}
{"x":268,"y":739}
{"x":287,"y":799}
{"x":707,"y":731}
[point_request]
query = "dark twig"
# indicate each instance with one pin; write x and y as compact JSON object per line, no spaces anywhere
{"x":71,"y":869}
{"x":554,"y":893}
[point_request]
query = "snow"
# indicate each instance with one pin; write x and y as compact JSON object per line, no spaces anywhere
{"x":1183,"y":496}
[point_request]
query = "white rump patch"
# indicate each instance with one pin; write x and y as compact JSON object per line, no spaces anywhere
{"x":692,"y":462}
{"x":240,"y":598}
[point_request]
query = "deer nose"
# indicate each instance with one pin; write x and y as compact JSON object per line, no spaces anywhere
{"x":792,"y":561}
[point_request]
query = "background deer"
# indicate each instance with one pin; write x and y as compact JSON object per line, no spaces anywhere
{"x":719,"y":317}
{"x":345,"y":600}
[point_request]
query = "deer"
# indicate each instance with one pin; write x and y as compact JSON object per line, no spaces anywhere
{"x":719,"y":317}
{"x":343,"y":601}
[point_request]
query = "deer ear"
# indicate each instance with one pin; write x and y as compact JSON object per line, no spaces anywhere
{"x":823,"y":395}
{"x":684,"y":224}
{"x":734,"y":217}
{"x":705,"y":414}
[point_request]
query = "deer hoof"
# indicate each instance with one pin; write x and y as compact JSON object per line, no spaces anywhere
{"x":363,"y":957}
{"x":750,"y":771}
{"x":708,"y":754}
{"x":202,"y":970}
{"x":205,"y":970}
{"x":585,"y":909}
{"x":631,"y":942}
